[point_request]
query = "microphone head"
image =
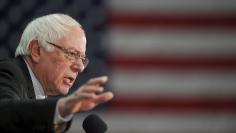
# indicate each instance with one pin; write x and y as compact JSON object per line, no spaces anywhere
{"x":94,"y":124}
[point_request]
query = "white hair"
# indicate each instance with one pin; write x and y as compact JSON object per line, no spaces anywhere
{"x":45,"y":28}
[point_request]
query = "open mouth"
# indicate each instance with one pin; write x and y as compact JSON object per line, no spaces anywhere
{"x":69,"y":80}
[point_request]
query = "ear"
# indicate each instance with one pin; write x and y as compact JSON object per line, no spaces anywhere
{"x":34,"y":50}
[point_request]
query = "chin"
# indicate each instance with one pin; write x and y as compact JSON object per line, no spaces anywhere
{"x":64,"y":91}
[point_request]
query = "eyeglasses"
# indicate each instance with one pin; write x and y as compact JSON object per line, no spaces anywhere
{"x":72,"y":54}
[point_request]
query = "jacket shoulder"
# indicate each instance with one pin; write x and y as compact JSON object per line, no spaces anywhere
{"x":9,"y":68}
{"x":12,"y":79}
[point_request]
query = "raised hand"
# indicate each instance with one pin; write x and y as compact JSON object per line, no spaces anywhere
{"x":85,"y":98}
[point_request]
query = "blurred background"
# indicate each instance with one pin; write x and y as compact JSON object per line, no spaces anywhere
{"x":172,"y":63}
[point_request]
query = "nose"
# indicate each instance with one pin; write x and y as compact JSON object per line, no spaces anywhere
{"x":77,"y":67}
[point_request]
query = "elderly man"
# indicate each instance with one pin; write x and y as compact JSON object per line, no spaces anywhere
{"x":49,"y":57}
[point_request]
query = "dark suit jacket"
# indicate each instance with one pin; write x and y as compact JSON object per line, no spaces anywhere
{"x":20,"y":112}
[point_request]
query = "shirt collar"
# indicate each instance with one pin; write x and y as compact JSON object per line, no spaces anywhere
{"x":38,"y":89}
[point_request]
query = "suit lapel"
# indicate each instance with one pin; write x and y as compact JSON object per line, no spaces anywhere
{"x":30,"y":89}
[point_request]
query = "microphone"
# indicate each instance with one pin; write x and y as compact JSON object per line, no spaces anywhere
{"x":94,"y":124}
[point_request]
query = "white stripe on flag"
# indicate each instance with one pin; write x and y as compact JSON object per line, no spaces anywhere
{"x":172,"y":42}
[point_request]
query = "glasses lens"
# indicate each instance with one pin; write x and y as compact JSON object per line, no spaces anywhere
{"x":76,"y":58}
{"x":72,"y":55}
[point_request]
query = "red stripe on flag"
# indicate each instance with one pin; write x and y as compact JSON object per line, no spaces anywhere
{"x":217,"y":104}
{"x":172,"y":20}
{"x":142,"y":62}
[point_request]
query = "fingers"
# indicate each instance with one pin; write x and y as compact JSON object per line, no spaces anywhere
{"x":95,"y":99}
{"x":104,"y":97}
{"x":86,"y":97}
{"x":94,"y":85}
{"x":98,"y":80}
{"x":91,"y":89}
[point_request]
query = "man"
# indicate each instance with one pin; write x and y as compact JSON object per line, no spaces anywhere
{"x":49,"y":57}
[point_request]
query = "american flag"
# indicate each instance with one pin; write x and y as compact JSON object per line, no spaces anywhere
{"x":173,"y":66}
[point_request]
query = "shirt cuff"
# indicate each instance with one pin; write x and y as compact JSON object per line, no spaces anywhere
{"x":58,"y":118}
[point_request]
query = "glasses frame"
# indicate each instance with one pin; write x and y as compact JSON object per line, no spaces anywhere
{"x":70,"y":55}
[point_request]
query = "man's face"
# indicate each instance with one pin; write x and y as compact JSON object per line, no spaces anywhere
{"x":57,"y":73}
